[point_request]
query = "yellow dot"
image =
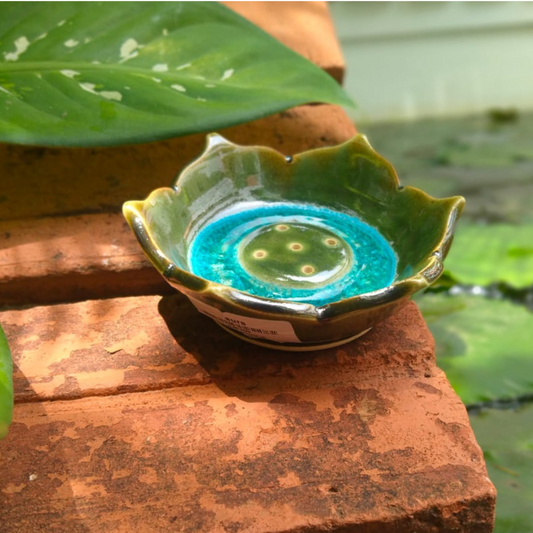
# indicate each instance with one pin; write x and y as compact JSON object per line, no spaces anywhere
{"x":332,"y":242}
{"x":282,"y":227}
{"x":259,"y":254}
{"x":307,"y":269}
{"x":295,"y":246}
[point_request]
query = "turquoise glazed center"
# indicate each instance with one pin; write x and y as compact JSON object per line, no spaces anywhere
{"x":295,"y":252}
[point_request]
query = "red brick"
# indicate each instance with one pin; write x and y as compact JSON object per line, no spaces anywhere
{"x":299,"y":455}
{"x":59,"y":259}
{"x":47,"y":182}
{"x":38,"y":182}
{"x":100,"y":347}
{"x":197,"y":431}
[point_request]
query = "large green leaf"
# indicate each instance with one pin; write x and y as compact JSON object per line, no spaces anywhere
{"x":484,"y":346}
{"x":497,"y":252}
{"x":6,"y":385}
{"x":87,"y":73}
{"x":506,"y":438}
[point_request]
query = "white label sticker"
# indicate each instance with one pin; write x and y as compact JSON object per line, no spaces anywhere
{"x":258,"y":328}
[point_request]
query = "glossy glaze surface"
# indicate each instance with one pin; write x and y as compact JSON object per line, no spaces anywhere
{"x":351,"y":179}
{"x":295,"y":252}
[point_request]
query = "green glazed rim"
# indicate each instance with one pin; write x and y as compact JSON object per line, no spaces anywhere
{"x":351,"y":177}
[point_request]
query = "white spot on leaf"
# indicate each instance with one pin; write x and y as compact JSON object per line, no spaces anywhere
{"x":61,"y":22}
{"x":108,"y":95}
{"x":69,"y":73}
{"x":129,"y":49}
{"x":42,"y":36}
{"x":160,"y":67}
{"x":157,"y":80}
{"x":4,"y":90}
{"x":71,"y":43}
{"x":180,"y":88}
{"x":89,"y":87}
{"x":111,"y":95}
{"x":210,"y":85}
{"x":186,"y":65}
{"x":131,"y":56}
{"x":21,"y":45}
{"x":165,"y":32}
{"x":201,"y":99}
{"x":227,"y":74}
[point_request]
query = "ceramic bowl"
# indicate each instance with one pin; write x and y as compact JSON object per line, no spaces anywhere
{"x":295,"y":253}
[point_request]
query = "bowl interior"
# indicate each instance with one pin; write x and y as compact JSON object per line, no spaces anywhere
{"x":350,"y":179}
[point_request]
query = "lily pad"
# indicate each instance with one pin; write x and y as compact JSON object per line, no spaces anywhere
{"x":485,"y":346}
{"x":85,"y":74}
{"x":6,"y":385}
{"x":491,"y":166}
{"x":506,"y":438}
{"x":483,"y":254}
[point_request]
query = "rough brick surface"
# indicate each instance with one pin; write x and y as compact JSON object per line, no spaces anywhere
{"x":349,"y":456}
{"x":366,"y":437}
{"x":59,"y":259}
{"x":66,"y":181}
{"x":124,"y":345}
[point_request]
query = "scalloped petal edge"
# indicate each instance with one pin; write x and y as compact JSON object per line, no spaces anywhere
{"x":189,"y":283}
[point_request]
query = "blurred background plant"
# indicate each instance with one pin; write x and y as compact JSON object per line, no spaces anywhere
{"x":444,"y":93}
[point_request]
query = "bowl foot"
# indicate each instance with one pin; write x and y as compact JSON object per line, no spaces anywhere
{"x":293,"y":347}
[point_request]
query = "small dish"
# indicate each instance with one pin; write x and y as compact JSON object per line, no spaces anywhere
{"x":294,"y":253}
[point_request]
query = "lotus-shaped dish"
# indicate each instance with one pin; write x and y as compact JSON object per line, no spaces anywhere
{"x":295,"y":253}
